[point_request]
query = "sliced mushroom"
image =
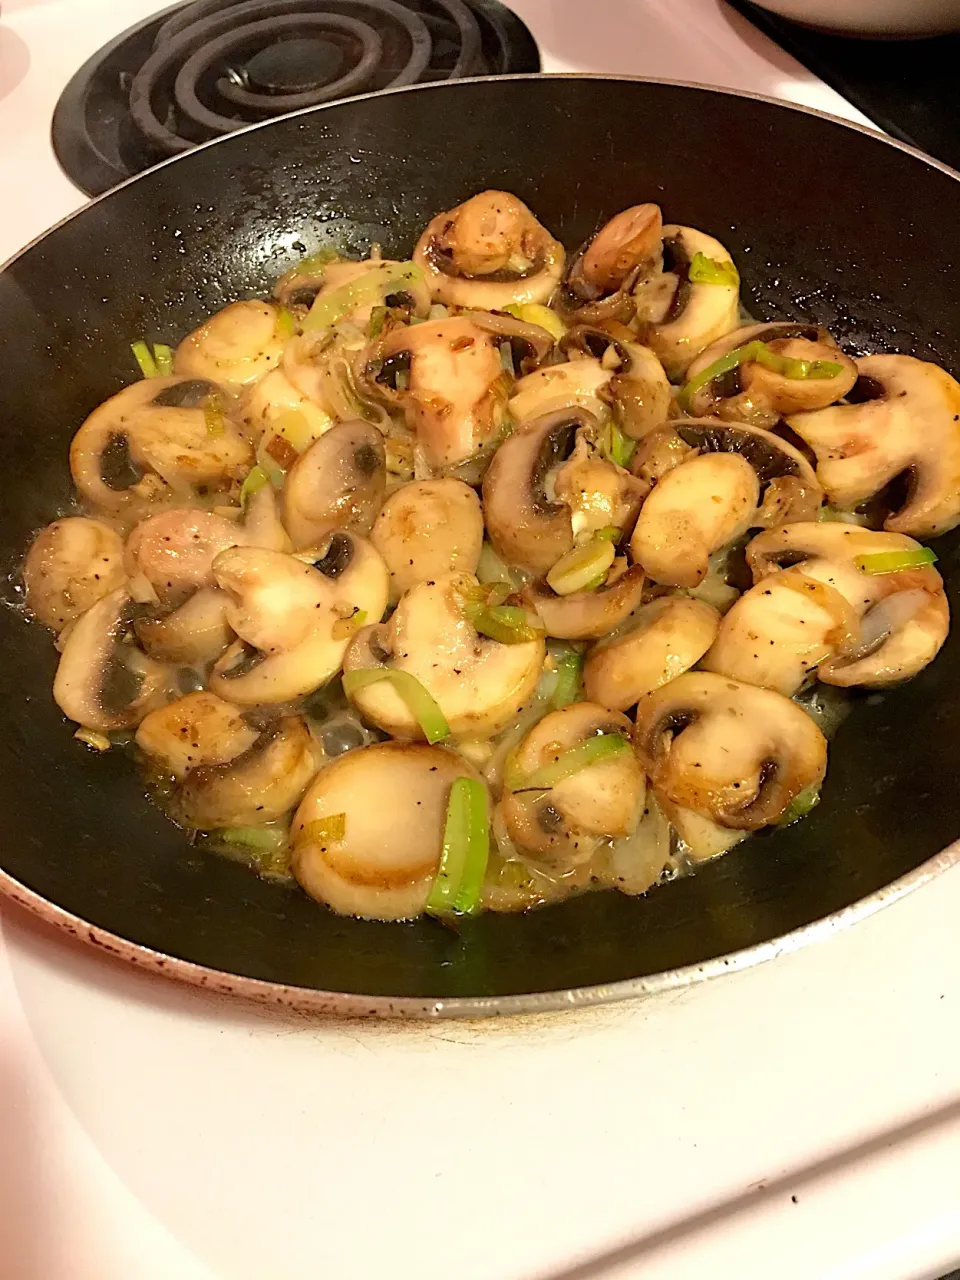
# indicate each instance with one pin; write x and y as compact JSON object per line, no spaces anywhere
{"x":488,"y":253}
{"x":701,"y":838}
{"x":696,"y":509}
{"x":565,"y":824}
{"x":150,"y":445}
{"x":904,"y":421}
{"x":262,"y":784}
{"x":174,"y":550}
{"x":319,"y":364}
{"x":526,"y":526}
{"x":586,"y":615}
{"x":733,"y":753}
{"x":393,"y":801}
{"x":374,"y":282}
{"x":200,"y":729}
{"x":600,"y":494}
{"x":103,"y":680}
{"x":71,"y":564}
{"x":338,"y":483}
{"x":678,"y":318}
{"x":193,"y":634}
{"x":580,"y":384}
{"x":426,"y":529}
{"x":267,"y":401}
{"x":668,"y":637}
{"x":236,"y":346}
{"x":638,"y":389}
{"x":626,"y":249}
{"x":824,"y":614}
{"x":756,"y":394}
{"x":262,"y":526}
{"x":293,"y":616}
{"x":478,"y":683}
{"x":447,"y":378}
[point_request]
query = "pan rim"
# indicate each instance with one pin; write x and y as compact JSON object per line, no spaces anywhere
{"x":348,"y":1004}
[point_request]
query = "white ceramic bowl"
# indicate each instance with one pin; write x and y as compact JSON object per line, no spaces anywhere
{"x":872,"y":17}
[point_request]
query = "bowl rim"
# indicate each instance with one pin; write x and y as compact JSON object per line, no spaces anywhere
{"x":353,"y":1005}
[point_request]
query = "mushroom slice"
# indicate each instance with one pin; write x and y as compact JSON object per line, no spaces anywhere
{"x":841,"y":543}
{"x":696,"y":509}
{"x":586,"y":615}
{"x":267,"y":401}
{"x":788,"y":484}
{"x":731,"y":752}
{"x":489,"y":253}
{"x":904,"y":420}
{"x":71,"y":564}
{"x":236,"y":346}
{"x":262,"y":784}
{"x":103,"y":680}
{"x":527,"y":527}
{"x":338,"y":483}
{"x":174,"y":550}
{"x":565,"y":824}
{"x":668,"y":637}
{"x":600,"y":494}
{"x":701,"y":838}
{"x":448,"y":379}
{"x":320,"y":364}
{"x":479,"y":684}
{"x":625,"y":249}
{"x":194,"y":633}
{"x":638,"y":389}
{"x":679,"y":318}
{"x":900,"y":635}
{"x":262,"y":526}
{"x":581,"y":383}
{"x":150,"y":445}
{"x":758,"y":395}
{"x":199,"y":729}
{"x":392,"y":799}
{"x":294,"y":616}
{"x":428,"y":528}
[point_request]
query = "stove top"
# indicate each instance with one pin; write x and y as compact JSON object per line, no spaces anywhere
{"x":906,"y":87}
{"x":200,"y":70}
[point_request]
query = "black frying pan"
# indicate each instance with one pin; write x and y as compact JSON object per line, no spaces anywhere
{"x":827,"y":223}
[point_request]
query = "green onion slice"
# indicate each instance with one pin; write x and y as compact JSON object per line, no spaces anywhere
{"x":800,"y":806}
{"x":536,"y":313}
{"x":466,"y":848}
{"x":163,"y":358}
{"x":584,"y":568}
{"x":591,"y":751}
{"x":148,"y":366}
{"x":704,"y":270}
{"x":369,"y":289}
{"x":896,"y":561}
{"x":420,"y":701}
{"x":569,"y":669}
{"x":759,"y":353}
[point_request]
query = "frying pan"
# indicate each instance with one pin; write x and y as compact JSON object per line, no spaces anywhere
{"x":827,"y":222}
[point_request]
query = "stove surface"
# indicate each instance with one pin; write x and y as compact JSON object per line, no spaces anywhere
{"x":203,"y":69}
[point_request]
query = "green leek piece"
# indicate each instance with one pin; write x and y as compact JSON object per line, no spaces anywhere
{"x":584,"y":568}
{"x":896,"y":561}
{"x":148,"y":366}
{"x":163,"y":358}
{"x":536,"y":313}
{"x":370,"y":289}
{"x":466,"y":848}
{"x":604,"y":746}
{"x":704,"y":270}
{"x":420,"y":702}
{"x":568,"y":688}
{"x":256,"y":478}
{"x":760,"y":353}
{"x":800,"y":806}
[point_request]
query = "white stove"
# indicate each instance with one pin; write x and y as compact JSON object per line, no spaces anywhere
{"x":800,"y":1120}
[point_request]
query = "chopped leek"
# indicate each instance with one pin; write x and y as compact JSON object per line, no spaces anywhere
{"x":256,"y":839}
{"x":420,"y":702}
{"x":759,"y":353}
{"x":256,"y":479}
{"x":800,"y":806}
{"x":466,"y":848}
{"x":508,"y":624}
{"x":344,"y":628}
{"x":315,"y":262}
{"x":163,"y":358}
{"x":591,"y":751}
{"x":99,"y":741}
{"x":285,"y":324}
{"x":366,"y":290}
{"x":567,"y":690}
{"x":616,"y":446}
{"x":331,"y":830}
{"x":148,"y":366}
{"x":536,"y":313}
{"x":704,"y":270}
{"x":896,"y":561}
{"x":583,"y":568}
{"x":610,"y":532}
{"x":378,"y":318}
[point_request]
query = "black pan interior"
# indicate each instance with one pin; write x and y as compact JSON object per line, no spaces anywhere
{"x":827,"y":224}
